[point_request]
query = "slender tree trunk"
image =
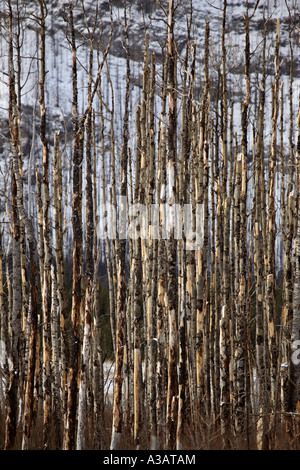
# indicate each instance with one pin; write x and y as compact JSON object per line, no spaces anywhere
{"x":121,"y":300}
{"x":161,"y":271}
{"x":259,"y":265}
{"x":46,"y":293}
{"x":152,"y":261}
{"x":171,"y":419}
{"x":13,"y":394}
{"x":60,"y":269}
{"x":85,"y":367}
{"x":86,"y":353}
{"x":287,"y":222}
{"x":137,"y":296}
{"x":225,"y":313}
{"x":110,"y":264}
{"x":57,"y":402}
{"x":272,"y":334}
{"x":13,"y":387}
{"x":185,"y":150}
{"x":295,"y":334}
{"x":241,"y":349}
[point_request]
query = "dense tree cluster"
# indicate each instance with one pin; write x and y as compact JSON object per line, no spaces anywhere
{"x":204,"y":307}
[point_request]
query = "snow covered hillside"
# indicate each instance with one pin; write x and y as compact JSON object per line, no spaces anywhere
{"x":144,"y":16}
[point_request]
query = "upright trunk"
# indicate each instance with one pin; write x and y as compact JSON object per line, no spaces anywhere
{"x":137,"y":297}
{"x":3,"y":316}
{"x":85,"y":367}
{"x":271,"y":235}
{"x":295,"y":336}
{"x":110,"y":262}
{"x":287,"y":223}
{"x":241,"y":282}
{"x":152,"y":260}
{"x":217,"y":262}
{"x":13,"y":387}
{"x":212,"y":273}
{"x":225,"y":313}
{"x":161,"y":271}
{"x":60,"y":269}
{"x":140,"y":246}
{"x":145,"y":164}
{"x":182,"y":189}
{"x":121,"y":253}
{"x":259,"y":259}
{"x":46,"y":293}
{"x":206,"y":314}
{"x":171,"y":419}
{"x":97,"y":372}
{"x":86,"y":352}
{"x":70,"y":439}
{"x":239,"y":328}
{"x":57,"y":402}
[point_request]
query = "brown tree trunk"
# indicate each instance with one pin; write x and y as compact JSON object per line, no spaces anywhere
{"x":13,"y":387}
{"x":46,"y":292}
{"x":70,"y":438}
{"x":172,"y":391}
{"x":121,"y":253}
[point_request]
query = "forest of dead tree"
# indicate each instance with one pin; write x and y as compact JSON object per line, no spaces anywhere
{"x":203,"y":340}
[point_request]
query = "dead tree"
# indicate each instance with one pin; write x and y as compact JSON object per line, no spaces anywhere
{"x":13,"y":387}
{"x":172,"y":392}
{"x":70,"y":438}
{"x":121,"y":298}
